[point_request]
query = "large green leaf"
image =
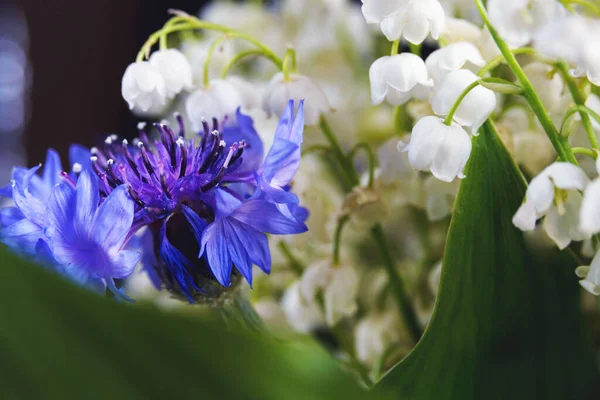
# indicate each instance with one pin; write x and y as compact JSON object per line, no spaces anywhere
{"x":507,"y":323}
{"x":59,"y":341}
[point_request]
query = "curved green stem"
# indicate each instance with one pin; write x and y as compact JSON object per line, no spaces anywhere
{"x":195,"y":23}
{"x":337,"y":238}
{"x":588,"y":152}
{"x":580,"y":101}
{"x":586,"y":3}
{"x":450,"y":116}
{"x":404,"y":303}
{"x":338,"y":152}
{"x":296,"y":265}
{"x":237,"y":58}
{"x":582,"y":110}
{"x":370,"y":155}
{"x":560,"y":145}
{"x":495,"y":62}
{"x":315,"y":148}
{"x":209,"y":53}
{"x":289,"y":64}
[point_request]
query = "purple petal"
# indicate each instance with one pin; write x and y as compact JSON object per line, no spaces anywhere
{"x":6,"y":191}
{"x":44,"y":255}
{"x":9,"y":216}
{"x":215,"y":244}
{"x":177,"y":264}
{"x":81,"y":155}
{"x":244,"y":130}
{"x":22,"y":236}
{"x":61,"y":210}
{"x":33,"y":208}
{"x":113,"y":219}
{"x":87,"y":201}
{"x":52,"y":168}
{"x":265,"y":217}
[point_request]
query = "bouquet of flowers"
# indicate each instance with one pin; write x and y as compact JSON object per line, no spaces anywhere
{"x":410,"y":184}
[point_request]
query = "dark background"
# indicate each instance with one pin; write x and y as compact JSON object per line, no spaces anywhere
{"x":78,"y":51}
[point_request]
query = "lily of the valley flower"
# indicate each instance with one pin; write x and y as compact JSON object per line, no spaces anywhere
{"x":218,"y":100}
{"x":555,"y":194}
{"x":590,"y":275}
{"x":434,"y":146}
{"x":590,"y":207}
{"x":474,"y":109}
{"x":143,"y":87}
{"x":174,"y":68}
{"x":399,"y":78}
{"x":453,"y":57}
{"x":279,"y":92}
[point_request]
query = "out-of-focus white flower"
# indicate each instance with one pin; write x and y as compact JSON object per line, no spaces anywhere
{"x":220,"y":99}
{"x":548,"y":85}
{"x":394,"y":166}
{"x":175,"y":69}
{"x":451,"y":58}
{"x":249,"y":94}
{"x":414,"y":21}
{"x":375,"y":11}
{"x":272,"y":314}
{"x":279,"y":92}
{"x":487,"y":45}
{"x":375,"y":334}
{"x":590,"y":206}
{"x":461,"y":30}
{"x":474,"y":109}
{"x":337,"y":283}
{"x":434,"y":146}
{"x":302,"y":315}
{"x":440,"y":198}
{"x":365,"y":205}
{"x":555,"y":194}
{"x":591,"y":276}
{"x":572,"y":38}
{"x":143,"y":87}
{"x":196,"y":51}
{"x":593,"y":102}
{"x":399,"y":78}
{"x":462,"y":9}
{"x":518,"y":20}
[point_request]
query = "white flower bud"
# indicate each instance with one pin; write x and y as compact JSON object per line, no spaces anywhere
{"x":451,"y":58}
{"x":591,"y":281}
{"x":303,"y":316}
{"x":143,"y":87}
{"x":474,"y":109}
{"x":414,"y":21}
{"x":375,"y":334}
{"x":175,"y":69}
{"x":220,"y":99}
{"x":440,"y":198}
{"x":399,"y":78}
{"x":555,"y":194}
{"x":442,"y":149}
{"x":518,"y":20}
{"x":279,"y":92}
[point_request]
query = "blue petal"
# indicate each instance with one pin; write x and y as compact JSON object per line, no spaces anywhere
{"x":281,"y":162}
{"x":225,"y":203}
{"x":237,"y":250}
{"x":113,"y":219}
{"x":81,"y":155}
{"x":9,"y":216}
{"x":198,"y":224}
{"x":6,"y":191}
{"x":283,"y":129}
{"x":299,"y":212}
{"x":244,"y":130}
{"x":22,"y":236}
{"x":143,"y":242}
{"x":44,"y":254}
{"x":255,"y":243}
{"x":52,"y":168}
{"x":124,"y":264}
{"x":26,"y":179}
{"x":61,"y":211}
{"x":215,"y":243}
{"x":87,"y":201}
{"x":177,"y":264}
{"x":265,"y":217}
{"x":298,"y":127}
{"x":32,"y":207}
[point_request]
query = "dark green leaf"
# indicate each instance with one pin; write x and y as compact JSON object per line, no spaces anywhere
{"x":507,"y":323}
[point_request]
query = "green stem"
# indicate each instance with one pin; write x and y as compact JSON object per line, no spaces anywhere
{"x":338,"y":152}
{"x":209,"y":53}
{"x":590,"y":5}
{"x":580,"y":101}
{"x":395,"y":47}
{"x":296,"y":265}
{"x":580,"y":109}
{"x":237,"y":58}
{"x":588,"y":152}
{"x":450,"y":116}
{"x":415,"y":48}
{"x":337,"y":238}
{"x":397,"y":285}
{"x":500,"y":60}
{"x":560,"y":145}
{"x":195,"y":23}
{"x":370,"y":155}
{"x":289,"y":64}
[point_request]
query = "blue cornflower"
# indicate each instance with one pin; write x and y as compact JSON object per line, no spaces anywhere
{"x":208,"y":205}
{"x":87,"y":237}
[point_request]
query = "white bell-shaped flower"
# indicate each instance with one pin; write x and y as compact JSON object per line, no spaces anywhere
{"x":279,"y":92}
{"x":591,"y":58}
{"x":591,"y":276}
{"x":376,"y":334}
{"x":518,"y":20}
{"x":143,"y":87}
{"x":414,"y":21}
{"x":555,"y":194}
{"x":593,"y":103}
{"x":451,"y":58}
{"x":218,"y":100}
{"x":434,"y":146}
{"x":302,"y":316}
{"x":338,"y":285}
{"x":439,"y":198}
{"x":460,"y":30}
{"x":590,"y":206}
{"x":399,"y":78}
{"x":175,"y":69}
{"x":474,"y":109}
{"x":375,"y":11}
{"x":394,"y":167}
{"x":249,"y":95}
{"x":548,"y":86}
